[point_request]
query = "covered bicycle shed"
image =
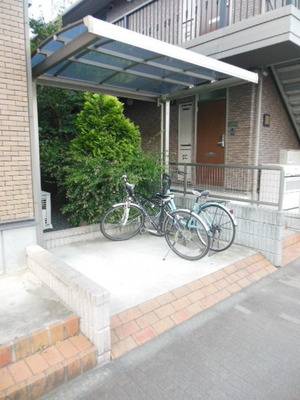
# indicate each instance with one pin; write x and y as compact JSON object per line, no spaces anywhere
{"x":96,"y":56}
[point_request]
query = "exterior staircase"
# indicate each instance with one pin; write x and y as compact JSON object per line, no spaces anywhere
{"x":35,"y":364}
{"x":287,"y":76}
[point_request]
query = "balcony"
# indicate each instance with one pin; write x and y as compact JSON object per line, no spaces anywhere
{"x":179,"y":21}
{"x":247,"y":33}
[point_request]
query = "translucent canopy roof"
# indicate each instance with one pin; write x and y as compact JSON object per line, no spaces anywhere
{"x":97,"y":56}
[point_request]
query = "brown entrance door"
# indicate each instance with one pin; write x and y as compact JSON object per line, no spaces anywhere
{"x":210,"y":141}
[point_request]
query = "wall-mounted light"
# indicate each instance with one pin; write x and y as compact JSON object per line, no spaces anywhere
{"x":266,"y":120}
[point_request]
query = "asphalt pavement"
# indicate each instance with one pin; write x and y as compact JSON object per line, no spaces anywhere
{"x":246,"y":347}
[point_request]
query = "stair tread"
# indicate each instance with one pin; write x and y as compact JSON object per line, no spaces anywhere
{"x":34,"y":342}
{"x":49,"y":367}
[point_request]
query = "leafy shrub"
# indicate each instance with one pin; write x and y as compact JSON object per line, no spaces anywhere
{"x":108,"y":145}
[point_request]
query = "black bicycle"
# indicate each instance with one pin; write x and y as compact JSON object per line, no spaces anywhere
{"x":185,"y":232}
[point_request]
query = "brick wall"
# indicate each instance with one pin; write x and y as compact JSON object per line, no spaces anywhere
{"x":241,"y":106}
{"x":242,"y":109}
{"x":15,"y":166}
{"x":147,"y":116}
{"x":280,"y":134}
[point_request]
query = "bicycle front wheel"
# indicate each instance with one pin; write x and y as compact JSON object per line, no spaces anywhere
{"x":186,"y":234}
{"x":221,"y":225}
{"x":122,"y":222}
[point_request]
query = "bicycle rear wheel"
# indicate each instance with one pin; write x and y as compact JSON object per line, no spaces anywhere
{"x":221,"y":225}
{"x":186,"y":235}
{"x":122,"y":222}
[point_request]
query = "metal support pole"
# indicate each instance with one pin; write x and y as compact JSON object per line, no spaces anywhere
{"x":257,"y":135}
{"x":281,"y":188}
{"x":185,"y":179}
{"x":35,"y":162}
{"x":167,"y":134}
{"x":34,"y":138}
{"x":162,"y":141}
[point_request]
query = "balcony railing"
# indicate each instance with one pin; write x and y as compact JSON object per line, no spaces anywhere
{"x":176,"y":21}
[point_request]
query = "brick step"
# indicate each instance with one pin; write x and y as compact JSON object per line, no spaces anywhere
{"x":27,"y":345}
{"x":38,"y":373}
{"x":291,"y":240}
{"x":291,"y":249}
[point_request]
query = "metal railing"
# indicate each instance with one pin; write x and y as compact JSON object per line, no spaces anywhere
{"x":176,"y":21}
{"x":260,"y":185}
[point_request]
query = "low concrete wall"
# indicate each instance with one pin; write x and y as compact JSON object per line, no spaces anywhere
{"x":292,"y":221}
{"x":260,"y":228}
{"x":14,"y":238}
{"x":72,"y":235}
{"x":86,"y":298}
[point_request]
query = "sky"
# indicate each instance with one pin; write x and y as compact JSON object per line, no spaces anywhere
{"x":47,"y":8}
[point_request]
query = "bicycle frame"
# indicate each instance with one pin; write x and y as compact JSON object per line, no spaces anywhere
{"x":166,"y":206}
{"x":136,"y":200}
{"x":185,"y":232}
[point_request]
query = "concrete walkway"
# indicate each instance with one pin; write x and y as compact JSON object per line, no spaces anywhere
{"x":135,"y":270}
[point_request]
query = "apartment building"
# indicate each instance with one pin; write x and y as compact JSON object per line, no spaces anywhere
{"x":199,"y":109}
{"x":227,"y":122}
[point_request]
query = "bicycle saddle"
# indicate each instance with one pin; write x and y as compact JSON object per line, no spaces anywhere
{"x":200,"y":193}
{"x":130,"y":188}
{"x":164,"y":197}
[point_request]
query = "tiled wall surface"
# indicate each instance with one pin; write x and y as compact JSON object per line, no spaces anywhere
{"x":15,"y":162}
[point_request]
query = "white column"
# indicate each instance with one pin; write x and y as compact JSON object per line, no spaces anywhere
{"x":167,"y":134}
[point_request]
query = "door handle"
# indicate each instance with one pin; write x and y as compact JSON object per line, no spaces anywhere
{"x":222,"y":142}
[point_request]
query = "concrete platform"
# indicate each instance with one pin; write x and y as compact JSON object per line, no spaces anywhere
{"x":26,"y":306}
{"x":133,"y":272}
{"x":141,"y":268}
{"x":150,"y":293}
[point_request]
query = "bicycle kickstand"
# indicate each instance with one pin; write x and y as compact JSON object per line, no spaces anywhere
{"x":167,"y":254}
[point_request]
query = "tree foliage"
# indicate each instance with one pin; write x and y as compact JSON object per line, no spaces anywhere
{"x":42,"y":30}
{"x":108,"y":145}
{"x":57,"y":109}
{"x":57,"y":112}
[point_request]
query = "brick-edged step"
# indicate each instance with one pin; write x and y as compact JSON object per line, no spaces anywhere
{"x":29,"y":344}
{"x":37,"y":363}
{"x":291,"y":249}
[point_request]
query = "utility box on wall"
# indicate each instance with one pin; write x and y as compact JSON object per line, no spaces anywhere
{"x":289,"y":157}
{"x":46,"y":210}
